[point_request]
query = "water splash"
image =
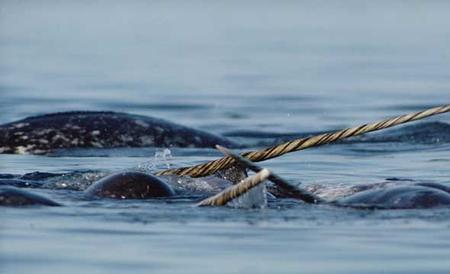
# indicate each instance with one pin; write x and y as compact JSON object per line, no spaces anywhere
{"x":203,"y":186}
{"x":254,"y":198}
{"x":161,"y":160}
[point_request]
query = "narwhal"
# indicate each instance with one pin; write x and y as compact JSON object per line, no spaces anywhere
{"x":99,"y":129}
{"x":135,"y":185}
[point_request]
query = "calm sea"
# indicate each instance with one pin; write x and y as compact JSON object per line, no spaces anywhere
{"x":259,"y":72}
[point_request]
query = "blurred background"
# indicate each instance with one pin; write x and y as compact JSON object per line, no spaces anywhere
{"x":258,"y":70}
{"x":226,"y":65}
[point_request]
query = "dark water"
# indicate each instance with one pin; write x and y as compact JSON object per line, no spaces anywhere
{"x":259,"y":72}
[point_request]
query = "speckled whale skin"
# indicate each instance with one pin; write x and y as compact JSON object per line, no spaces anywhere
{"x":399,"y":197}
{"x":94,"y":129}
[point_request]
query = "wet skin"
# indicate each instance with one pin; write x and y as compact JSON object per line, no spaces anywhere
{"x":137,"y":185}
{"x":130,"y":185}
{"x":95,"y":129}
{"x":12,"y":196}
{"x":45,"y":133}
{"x":399,"y":197}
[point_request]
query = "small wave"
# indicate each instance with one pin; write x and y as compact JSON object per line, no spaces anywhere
{"x":77,"y":180}
{"x":155,"y":106}
{"x":81,"y":179}
{"x":421,"y":133}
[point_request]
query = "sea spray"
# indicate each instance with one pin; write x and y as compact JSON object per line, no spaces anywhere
{"x":254,"y":198}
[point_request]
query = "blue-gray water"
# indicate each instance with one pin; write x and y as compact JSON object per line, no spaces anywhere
{"x":230,"y":68}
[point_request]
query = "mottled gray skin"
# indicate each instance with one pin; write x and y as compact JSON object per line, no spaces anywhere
{"x":130,"y":185}
{"x":427,"y":195}
{"x":391,"y":194}
{"x":11,"y":196}
{"x":93,"y":129}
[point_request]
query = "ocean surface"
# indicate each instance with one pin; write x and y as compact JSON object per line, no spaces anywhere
{"x":258,"y":72}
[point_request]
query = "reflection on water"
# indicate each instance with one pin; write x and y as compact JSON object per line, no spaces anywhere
{"x":259,"y":72}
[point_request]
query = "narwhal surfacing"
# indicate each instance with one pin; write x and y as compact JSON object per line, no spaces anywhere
{"x":42,"y":134}
{"x":19,"y":191}
{"x":383,"y":196}
{"x":399,"y":197}
{"x":95,"y":129}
